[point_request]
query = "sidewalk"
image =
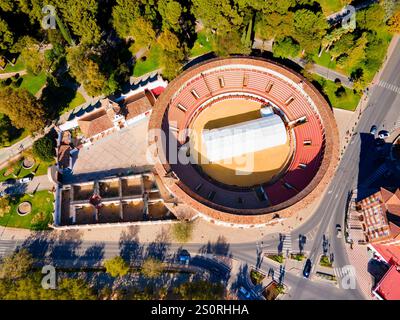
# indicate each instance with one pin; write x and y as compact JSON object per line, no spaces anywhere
{"x":12,"y":152}
{"x":39,"y":183}
{"x":10,"y":74}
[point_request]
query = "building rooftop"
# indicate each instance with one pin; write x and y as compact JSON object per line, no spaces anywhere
{"x":95,"y":123}
{"x":138,"y":104}
{"x":389,"y":287}
{"x":381,"y":212}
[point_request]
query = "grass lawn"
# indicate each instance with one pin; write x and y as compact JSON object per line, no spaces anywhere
{"x":76,"y":101}
{"x":256,"y":277}
{"x":330,"y":6}
{"x":276,"y":257}
{"x":297,"y":256}
{"x":201,"y":46}
{"x":33,"y":83}
{"x":38,"y":219}
{"x":324,"y":60}
{"x":40,"y":168}
{"x":347,"y":101}
{"x":19,"y":65}
{"x":151,"y":62}
{"x":325,"y":262}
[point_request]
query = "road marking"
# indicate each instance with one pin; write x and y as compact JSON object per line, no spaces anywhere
{"x":287,"y":243}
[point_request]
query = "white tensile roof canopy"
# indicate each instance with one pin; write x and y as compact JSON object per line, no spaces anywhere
{"x":246,"y":137}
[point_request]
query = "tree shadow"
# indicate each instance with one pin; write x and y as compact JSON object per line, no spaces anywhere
{"x":159,"y":247}
{"x":130,"y":249}
{"x":280,"y":243}
{"x":241,"y":279}
{"x":220,"y":248}
{"x":302,"y":242}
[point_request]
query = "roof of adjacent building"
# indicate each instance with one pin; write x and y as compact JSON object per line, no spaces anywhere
{"x":390,"y":253}
{"x":64,"y":156}
{"x":389,"y":286}
{"x":381,"y":212}
{"x":95,"y":123}
{"x":137,"y":104}
{"x":99,"y":120}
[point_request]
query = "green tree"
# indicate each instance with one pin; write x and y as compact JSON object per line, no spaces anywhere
{"x":173,"y":53}
{"x":7,"y":5}
{"x":229,"y":43}
{"x":356,"y":54}
{"x":123,"y":15}
{"x":371,"y":18}
{"x":220,"y":15}
{"x":6,"y":35}
{"x":23,"y":109}
{"x":116,"y":267}
{"x":44,"y":148}
{"x":81,"y":16}
{"x":170,"y":11}
{"x":16,"y":265}
{"x":182,"y":231}
{"x":271,"y":25}
{"x":285,"y":48}
{"x":5,"y":126}
{"x":152,"y":268}
{"x":310,"y":28}
{"x":141,"y":30}
{"x":86,"y":71}
{"x":343,"y":45}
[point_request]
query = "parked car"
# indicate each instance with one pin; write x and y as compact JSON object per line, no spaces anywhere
{"x":25,"y":180}
{"x":338,"y":231}
{"x":307,"y":268}
{"x":245,"y":293}
{"x":184,"y":256}
{"x":383,"y":134}
{"x":373,"y":130}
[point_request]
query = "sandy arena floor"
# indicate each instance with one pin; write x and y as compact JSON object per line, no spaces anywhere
{"x":246,"y":170}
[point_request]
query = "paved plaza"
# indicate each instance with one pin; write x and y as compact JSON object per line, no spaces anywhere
{"x":125,"y":149}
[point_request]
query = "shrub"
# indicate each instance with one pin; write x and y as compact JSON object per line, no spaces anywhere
{"x":152,"y":268}
{"x":44,"y":149}
{"x":182,"y":231}
{"x":116,"y":267}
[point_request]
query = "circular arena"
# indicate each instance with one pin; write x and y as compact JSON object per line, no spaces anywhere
{"x":243,"y":141}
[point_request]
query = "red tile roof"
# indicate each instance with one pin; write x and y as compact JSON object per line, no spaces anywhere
{"x":95,"y":123}
{"x":389,"y":286}
{"x":375,"y":209}
{"x":390,"y":253}
{"x":157,"y":91}
{"x":138,"y":104}
{"x":64,"y":156}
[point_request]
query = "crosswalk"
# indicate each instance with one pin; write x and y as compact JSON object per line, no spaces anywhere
{"x":346,"y":277}
{"x":287,"y":243}
{"x":7,"y":247}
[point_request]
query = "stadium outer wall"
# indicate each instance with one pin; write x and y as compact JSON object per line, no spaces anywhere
{"x":184,"y":198}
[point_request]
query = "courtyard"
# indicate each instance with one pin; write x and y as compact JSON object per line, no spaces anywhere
{"x":121,"y":150}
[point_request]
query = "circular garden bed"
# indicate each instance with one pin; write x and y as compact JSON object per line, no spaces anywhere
{"x":28,"y":163}
{"x":24,"y":208}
